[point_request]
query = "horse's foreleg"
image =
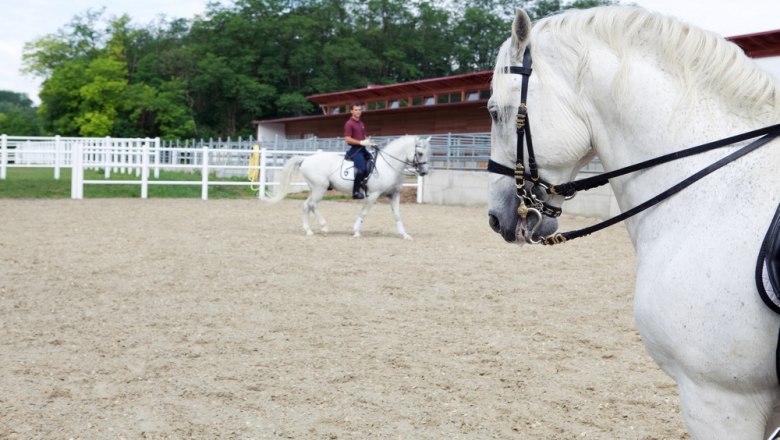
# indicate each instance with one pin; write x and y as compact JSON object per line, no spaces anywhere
{"x":712,"y":411}
{"x":367,"y":204}
{"x":395,"y":205}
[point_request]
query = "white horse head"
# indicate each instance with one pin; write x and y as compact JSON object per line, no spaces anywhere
{"x":615,"y":76}
{"x":413,"y":152}
{"x":630,"y":86}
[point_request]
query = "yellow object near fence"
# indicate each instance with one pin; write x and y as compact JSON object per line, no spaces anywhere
{"x":253,"y":173}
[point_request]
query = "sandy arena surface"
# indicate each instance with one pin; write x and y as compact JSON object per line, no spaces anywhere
{"x":190,"y":319}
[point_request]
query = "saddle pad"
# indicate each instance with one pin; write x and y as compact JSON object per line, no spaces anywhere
{"x":768,"y":265}
{"x":347,"y":170}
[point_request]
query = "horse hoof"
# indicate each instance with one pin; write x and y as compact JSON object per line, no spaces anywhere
{"x":407,"y":237}
{"x":309,"y":233}
{"x":356,"y":235}
{"x":324,"y":230}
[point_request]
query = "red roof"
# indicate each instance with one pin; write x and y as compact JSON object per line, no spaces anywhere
{"x":424,"y":86}
{"x":759,"y":45}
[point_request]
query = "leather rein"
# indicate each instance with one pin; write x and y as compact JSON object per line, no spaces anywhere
{"x":528,"y":192}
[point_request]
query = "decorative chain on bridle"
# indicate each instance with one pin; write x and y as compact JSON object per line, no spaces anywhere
{"x":529,"y":192}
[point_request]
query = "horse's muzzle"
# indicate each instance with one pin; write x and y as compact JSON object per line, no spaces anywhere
{"x":508,"y":234}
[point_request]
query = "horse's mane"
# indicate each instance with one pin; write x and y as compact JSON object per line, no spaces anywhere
{"x":694,"y":55}
{"x":401,"y":142}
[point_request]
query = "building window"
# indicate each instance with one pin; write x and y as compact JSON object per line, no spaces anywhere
{"x":376,"y":105}
{"x":394,"y":104}
{"x":472,"y":95}
{"x":484,"y":94}
{"x":428,"y":100}
{"x":456,"y":97}
{"x":417,"y":100}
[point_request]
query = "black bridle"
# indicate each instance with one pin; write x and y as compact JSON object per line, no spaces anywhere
{"x":415,"y":163}
{"x":530,"y":202}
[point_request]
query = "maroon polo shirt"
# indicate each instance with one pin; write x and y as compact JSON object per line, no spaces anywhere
{"x":355,"y":129}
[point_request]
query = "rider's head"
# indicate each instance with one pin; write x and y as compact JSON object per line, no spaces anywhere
{"x":356,"y":111}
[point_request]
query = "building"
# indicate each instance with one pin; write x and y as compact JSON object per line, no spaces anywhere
{"x":452,"y":104}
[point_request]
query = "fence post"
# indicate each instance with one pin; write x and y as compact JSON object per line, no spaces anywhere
{"x":157,"y":158}
{"x":108,"y":159}
{"x":263,"y":173}
{"x":3,"y":155}
{"x":77,"y":171}
{"x":420,"y":188}
{"x":57,"y":157}
{"x":139,"y":149}
{"x":145,"y":169}
{"x":204,"y":191}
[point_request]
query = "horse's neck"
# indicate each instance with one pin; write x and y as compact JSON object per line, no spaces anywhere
{"x":650,"y":112}
{"x":397,"y":153}
{"x":650,"y":121}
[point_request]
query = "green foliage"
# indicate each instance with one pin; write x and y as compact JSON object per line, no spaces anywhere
{"x":17,"y":115}
{"x":253,"y":59}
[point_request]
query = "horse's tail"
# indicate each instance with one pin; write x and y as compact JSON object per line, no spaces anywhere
{"x":285,"y":185}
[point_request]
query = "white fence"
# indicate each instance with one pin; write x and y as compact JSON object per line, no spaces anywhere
{"x":145,"y":158}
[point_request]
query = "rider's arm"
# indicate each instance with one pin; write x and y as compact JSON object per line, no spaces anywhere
{"x":351,"y":141}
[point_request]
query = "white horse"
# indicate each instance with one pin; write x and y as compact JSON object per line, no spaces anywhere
{"x":629,"y":86}
{"x":330,"y":170}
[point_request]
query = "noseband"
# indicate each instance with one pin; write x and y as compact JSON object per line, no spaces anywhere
{"x":416,"y":163}
{"x":530,"y":203}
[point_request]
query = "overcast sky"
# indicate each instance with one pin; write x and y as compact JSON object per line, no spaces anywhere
{"x":26,"y":20}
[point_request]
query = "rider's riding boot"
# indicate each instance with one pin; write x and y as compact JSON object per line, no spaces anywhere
{"x":357,"y":185}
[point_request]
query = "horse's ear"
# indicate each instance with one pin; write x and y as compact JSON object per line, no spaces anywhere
{"x":521,"y":30}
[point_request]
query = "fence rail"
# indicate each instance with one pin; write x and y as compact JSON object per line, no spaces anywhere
{"x":230,"y":158}
{"x":144,"y":158}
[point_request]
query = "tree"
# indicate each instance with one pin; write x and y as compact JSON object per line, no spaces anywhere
{"x":544,"y":8}
{"x":17,"y":114}
{"x":254,"y":59}
{"x":479,"y":34}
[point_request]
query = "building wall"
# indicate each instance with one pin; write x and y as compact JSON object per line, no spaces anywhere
{"x":466,"y":117}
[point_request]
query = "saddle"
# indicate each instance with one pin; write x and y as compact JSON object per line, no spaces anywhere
{"x":347,"y":170}
{"x":768,"y":265}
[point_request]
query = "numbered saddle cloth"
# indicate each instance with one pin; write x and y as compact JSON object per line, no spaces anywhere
{"x":768,"y":265}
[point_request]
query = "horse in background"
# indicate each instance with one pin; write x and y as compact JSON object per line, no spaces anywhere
{"x":329,"y":170}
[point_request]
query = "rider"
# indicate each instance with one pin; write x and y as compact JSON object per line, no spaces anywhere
{"x":355,"y":136}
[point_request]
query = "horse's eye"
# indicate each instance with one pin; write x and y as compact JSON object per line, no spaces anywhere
{"x":493,"y":110}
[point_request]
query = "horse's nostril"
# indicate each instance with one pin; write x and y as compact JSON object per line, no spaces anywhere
{"x":494,"y":224}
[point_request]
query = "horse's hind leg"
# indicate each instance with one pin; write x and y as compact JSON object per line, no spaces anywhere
{"x":306,"y":210}
{"x":310,"y":206}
